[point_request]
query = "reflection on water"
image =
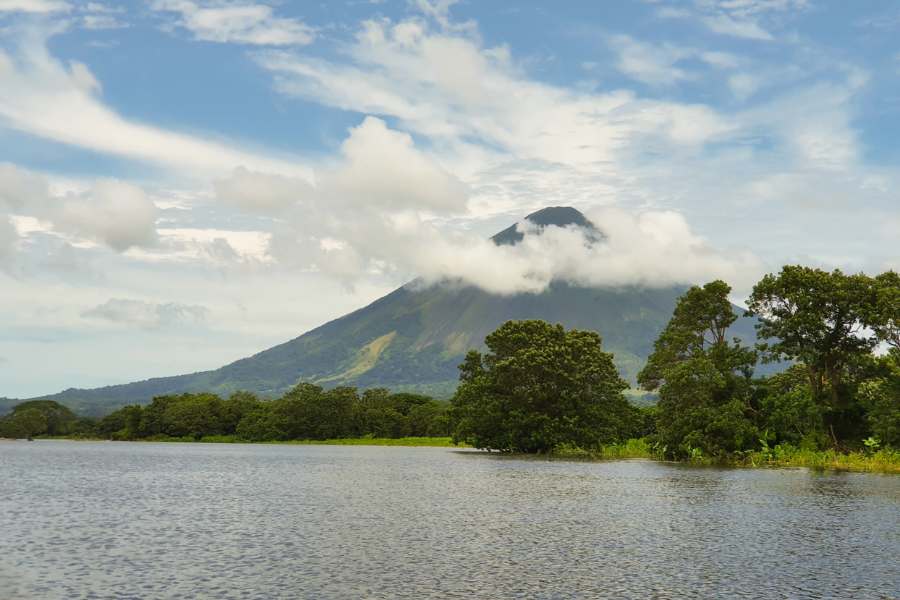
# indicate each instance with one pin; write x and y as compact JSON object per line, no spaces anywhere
{"x":141,"y":520}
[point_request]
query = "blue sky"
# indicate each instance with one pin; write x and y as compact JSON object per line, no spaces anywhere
{"x":184,"y":183}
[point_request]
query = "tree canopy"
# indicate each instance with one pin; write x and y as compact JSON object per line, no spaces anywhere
{"x":538,"y":387}
{"x":704,"y":380}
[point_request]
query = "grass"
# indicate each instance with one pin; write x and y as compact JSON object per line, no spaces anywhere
{"x":882,"y":461}
{"x":633,"y":448}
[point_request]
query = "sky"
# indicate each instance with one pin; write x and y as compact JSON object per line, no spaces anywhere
{"x":187,"y":182}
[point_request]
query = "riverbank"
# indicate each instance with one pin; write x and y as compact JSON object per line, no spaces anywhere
{"x":430,"y":442}
{"x":882,"y":461}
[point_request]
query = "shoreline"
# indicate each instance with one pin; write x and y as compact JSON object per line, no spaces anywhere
{"x":882,"y":462}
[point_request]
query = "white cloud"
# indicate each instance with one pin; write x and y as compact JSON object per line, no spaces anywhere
{"x":148,"y":315}
{"x":380,"y":170}
{"x":111,"y":212}
{"x":370,"y":213}
{"x":95,"y":15}
{"x":34,"y":6}
{"x":649,"y":63}
{"x":743,"y":85}
{"x":220,"y":247}
{"x":44,"y":98}
{"x":252,"y":24}
{"x":115,"y":213}
{"x":721,"y":60}
{"x":727,"y":25}
{"x":736,"y":18}
{"x":543,"y":144}
{"x":452,"y":90}
{"x":260,"y":192}
{"x":8,"y":239}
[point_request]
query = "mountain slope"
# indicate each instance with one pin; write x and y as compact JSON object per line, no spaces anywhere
{"x":415,"y":337}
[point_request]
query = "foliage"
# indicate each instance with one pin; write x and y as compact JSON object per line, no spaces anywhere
{"x":631,"y":448}
{"x":884,"y":314}
{"x":542,"y":389}
{"x":836,"y":394}
{"x":885,"y":460}
{"x":704,"y":381}
{"x":881,"y":398}
{"x":307,"y":412}
{"x":539,"y":387}
{"x":816,"y":318}
{"x":700,"y":322}
{"x":41,"y":417}
{"x":788,"y":413}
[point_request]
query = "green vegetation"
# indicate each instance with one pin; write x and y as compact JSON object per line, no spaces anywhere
{"x":541,"y":387}
{"x":837,"y":404}
{"x":43,"y":417}
{"x":409,"y":441}
{"x":307,"y":412}
{"x":545,"y":390}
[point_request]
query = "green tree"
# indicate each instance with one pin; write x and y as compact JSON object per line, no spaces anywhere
{"x":235,"y":408}
{"x":122,"y":424}
{"x":309,"y":412}
{"x":818,"y":319}
{"x":814,"y":317}
{"x":880,"y":396}
{"x":788,"y":412}
{"x":194,"y":415}
{"x":59,"y":420}
{"x":704,"y":382}
{"x":261,"y":424}
{"x":884,"y":315}
{"x":24,"y":423}
{"x":540,"y":386}
{"x":700,"y":321}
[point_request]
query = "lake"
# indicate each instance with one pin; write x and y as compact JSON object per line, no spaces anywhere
{"x":145,"y":520}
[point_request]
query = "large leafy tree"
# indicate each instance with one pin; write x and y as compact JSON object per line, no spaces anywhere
{"x":703,"y":379}
{"x":816,"y":318}
{"x":699,"y":323}
{"x":880,"y":395}
{"x":538,"y":387}
{"x":884,"y":314}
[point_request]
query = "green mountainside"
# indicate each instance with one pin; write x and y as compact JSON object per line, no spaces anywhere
{"x":414,"y":338}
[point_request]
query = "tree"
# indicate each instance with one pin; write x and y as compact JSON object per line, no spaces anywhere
{"x":122,"y":424}
{"x":58,"y":419}
{"x":817,"y":318}
{"x":788,"y":412}
{"x":194,"y":415}
{"x":24,"y":423}
{"x":881,"y":398}
{"x":235,"y":408}
{"x":704,"y":383}
{"x":309,"y":412}
{"x":884,"y":316}
{"x":540,"y":386}
{"x":700,"y":321}
{"x":261,"y":424}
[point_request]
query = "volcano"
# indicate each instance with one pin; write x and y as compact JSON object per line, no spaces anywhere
{"x":413,"y":338}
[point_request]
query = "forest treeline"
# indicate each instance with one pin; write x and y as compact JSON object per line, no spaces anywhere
{"x":307,"y":412}
{"x":539,"y":388}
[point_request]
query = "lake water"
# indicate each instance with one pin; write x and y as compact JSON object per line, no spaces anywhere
{"x":143,"y":520}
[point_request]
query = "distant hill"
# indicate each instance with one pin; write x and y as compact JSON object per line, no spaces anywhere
{"x":414,"y":338}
